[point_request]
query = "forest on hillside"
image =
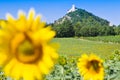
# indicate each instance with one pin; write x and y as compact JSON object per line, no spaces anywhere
{"x":82,"y":23}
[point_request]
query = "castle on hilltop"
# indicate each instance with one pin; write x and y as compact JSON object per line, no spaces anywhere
{"x":72,"y":9}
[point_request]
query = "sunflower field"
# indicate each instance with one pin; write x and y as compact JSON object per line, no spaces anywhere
{"x":66,"y":68}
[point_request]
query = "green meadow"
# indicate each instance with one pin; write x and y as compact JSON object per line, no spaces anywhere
{"x":114,"y":39}
{"x":76,"y":47}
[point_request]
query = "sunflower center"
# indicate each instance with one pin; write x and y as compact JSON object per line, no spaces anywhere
{"x":28,"y":53}
{"x":94,"y":65}
{"x":26,"y":49}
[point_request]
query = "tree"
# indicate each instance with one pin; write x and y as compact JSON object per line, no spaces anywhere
{"x":84,"y":31}
{"x":77,"y":28}
{"x":117,"y":30}
{"x":93,"y":31}
{"x":64,"y":29}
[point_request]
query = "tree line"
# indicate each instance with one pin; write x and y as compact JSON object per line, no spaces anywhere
{"x":67,"y":29}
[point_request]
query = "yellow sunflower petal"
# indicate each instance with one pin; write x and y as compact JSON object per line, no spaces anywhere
{"x":33,"y":74}
{"x":37,"y":24}
{"x":31,"y":14}
{"x":3,"y":58}
{"x":43,"y":35}
{"x":17,"y":70}
{"x":43,"y":67}
{"x":8,"y":68}
{"x":21,"y":15}
{"x":10,"y":18}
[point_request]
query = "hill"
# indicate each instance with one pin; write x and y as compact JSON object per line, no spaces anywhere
{"x":79,"y":22}
{"x":83,"y":16}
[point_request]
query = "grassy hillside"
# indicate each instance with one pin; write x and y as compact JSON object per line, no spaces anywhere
{"x":75,"y":47}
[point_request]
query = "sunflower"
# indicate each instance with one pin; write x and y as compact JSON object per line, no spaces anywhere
{"x":90,"y":67}
{"x":25,"y":48}
{"x":62,"y":60}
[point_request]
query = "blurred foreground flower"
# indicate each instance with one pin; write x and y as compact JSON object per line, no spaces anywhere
{"x":90,"y":67}
{"x":25,"y":52}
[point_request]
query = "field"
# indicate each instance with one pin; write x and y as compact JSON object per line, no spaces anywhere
{"x":71,"y":49}
{"x":113,"y":39}
{"x":77,"y":46}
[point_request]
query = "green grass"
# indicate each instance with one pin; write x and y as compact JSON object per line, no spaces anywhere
{"x":114,"y":39}
{"x":76,"y":47}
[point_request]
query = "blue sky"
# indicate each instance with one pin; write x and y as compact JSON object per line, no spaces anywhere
{"x":53,"y":9}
